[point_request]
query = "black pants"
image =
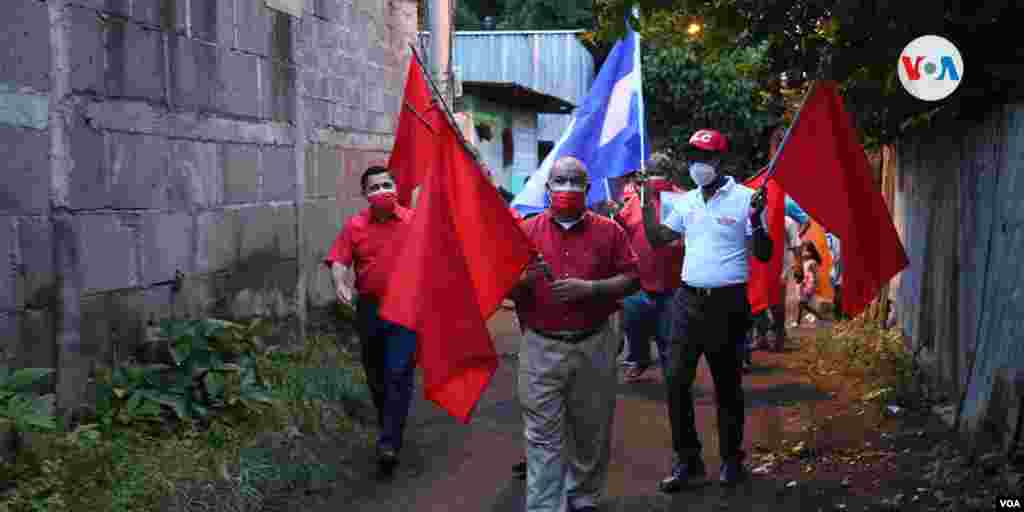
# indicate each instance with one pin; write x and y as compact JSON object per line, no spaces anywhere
{"x":709,"y":325}
{"x":389,"y":359}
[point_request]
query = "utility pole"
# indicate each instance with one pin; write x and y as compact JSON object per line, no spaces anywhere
{"x":441,"y":45}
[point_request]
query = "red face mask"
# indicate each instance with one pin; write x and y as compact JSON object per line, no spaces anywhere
{"x":383,"y":203}
{"x":568,"y":203}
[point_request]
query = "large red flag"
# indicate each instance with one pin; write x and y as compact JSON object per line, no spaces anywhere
{"x":415,"y":147}
{"x":763,"y":286}
{"x":822,"y":165}
{"x":461,"y":255}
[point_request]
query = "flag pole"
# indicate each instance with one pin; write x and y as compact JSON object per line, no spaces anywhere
{"x":771,"y":165}
{"x":444,"y":106}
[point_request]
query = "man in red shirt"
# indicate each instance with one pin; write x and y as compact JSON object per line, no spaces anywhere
{"x":645,"y":312}
{"x":388,"y":349}
{"x":567,"y":376}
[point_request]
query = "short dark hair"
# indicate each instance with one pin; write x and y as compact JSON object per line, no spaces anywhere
{"x":370,"y":171}
{"x":815,"y":255}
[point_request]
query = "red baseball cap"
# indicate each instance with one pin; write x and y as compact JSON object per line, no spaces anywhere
{"x":709,"y":140}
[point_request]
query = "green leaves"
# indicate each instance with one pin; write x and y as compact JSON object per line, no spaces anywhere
{"x":201,"y":382}
{"x":21,"y":379}
{"x":30,"y":412}
{"x":25,"y":409}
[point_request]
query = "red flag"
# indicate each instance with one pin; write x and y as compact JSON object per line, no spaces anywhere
{"x":416,"y":137}
{"x":763,"y":286}
{"x":822,"y":165}
{"x":452,"y":269}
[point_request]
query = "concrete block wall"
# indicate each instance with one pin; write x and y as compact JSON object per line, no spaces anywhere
{"x":181,"y":157}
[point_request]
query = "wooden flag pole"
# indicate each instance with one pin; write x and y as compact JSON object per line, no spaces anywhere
{"x":444,"y":106}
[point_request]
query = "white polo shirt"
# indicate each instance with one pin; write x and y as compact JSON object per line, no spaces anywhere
{"x":716,"y":235}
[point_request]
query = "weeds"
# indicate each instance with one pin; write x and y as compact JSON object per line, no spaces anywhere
{"x":129,"y":458}
{"x":871,"y":360}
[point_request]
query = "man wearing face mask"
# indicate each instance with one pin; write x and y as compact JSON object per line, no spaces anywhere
{"x":388,"y":349}
{"x":645,"y":312}
{"x":567,"y":376}
{"x":721,"y":222}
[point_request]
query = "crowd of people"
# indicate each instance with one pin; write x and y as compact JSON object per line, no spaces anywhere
{"x":604,"y":283}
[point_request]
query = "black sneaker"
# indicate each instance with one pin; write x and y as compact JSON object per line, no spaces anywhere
{"x":683,"y":474}
{"x":387,"y":459}
{"x":519,"y":470}
{"x":732,"y":473}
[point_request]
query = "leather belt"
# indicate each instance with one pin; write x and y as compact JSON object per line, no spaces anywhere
{"x":707,"y":292}
{"x":571,"y":337}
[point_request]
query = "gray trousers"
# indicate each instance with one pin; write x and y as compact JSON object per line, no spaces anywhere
{"x":568,"y":394}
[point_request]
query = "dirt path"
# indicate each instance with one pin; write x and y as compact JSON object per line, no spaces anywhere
{"x":452,"y":467}
{"x":448,"y":466}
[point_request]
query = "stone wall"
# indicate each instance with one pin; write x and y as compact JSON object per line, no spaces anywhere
{"x":180,"y":157}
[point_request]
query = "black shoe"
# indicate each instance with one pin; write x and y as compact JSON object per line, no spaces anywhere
{"x":387,"y":460}
{"x":519,"y":470}
{"x":683,"y":474}
{"x":588,"y":508}
{"x":732,"y":473}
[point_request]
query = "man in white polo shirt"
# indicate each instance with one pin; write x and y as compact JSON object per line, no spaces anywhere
{"x":721,"y":222}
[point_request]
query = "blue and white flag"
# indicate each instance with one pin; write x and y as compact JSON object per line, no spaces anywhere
{"x":606,"y":132}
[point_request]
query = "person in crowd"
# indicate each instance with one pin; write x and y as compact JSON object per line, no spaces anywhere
{"x":388,"y":350}
{"x":809,"y":286}
{"x":567,"y":375}
{"x":721,"y":223}
{"x":645,"y":313}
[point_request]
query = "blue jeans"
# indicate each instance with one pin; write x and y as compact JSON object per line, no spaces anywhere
{"x":389,"y":358}
{"x":645,"y":315}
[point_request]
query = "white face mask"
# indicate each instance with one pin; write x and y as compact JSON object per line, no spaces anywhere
{"x":702,"y":173}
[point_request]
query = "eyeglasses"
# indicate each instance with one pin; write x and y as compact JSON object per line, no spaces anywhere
{"x":579,"y":181}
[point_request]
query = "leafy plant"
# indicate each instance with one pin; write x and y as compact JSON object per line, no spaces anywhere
{"x":214,"y":370}
{"x":26,"y":409}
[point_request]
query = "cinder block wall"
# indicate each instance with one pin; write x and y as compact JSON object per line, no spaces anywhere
{"x":180,"y":157}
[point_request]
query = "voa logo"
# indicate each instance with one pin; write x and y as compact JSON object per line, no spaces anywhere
{"x":1010,"y":503}
{"x":930,"y":68}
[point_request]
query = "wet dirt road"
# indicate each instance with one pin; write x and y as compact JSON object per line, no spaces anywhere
{"x":448,"y":466}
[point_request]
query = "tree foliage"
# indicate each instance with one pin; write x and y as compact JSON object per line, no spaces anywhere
{"x":855,"y":42}
{"x":683,"y":93}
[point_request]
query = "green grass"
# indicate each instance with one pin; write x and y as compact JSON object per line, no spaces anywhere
{"x":137,"y":467}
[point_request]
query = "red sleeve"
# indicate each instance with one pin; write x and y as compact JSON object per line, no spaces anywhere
{"x":625,"y":260}
{"x":341,"y":249}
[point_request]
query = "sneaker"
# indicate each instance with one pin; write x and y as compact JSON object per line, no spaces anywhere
{"x":387,"y":459}
{"x":519,"y":470}
{"x":732,"y":473}
{"x":683,"y":475}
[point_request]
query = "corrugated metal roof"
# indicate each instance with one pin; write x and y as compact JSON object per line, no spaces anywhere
{"x":513,"y":93}
{"x":550,"y":62}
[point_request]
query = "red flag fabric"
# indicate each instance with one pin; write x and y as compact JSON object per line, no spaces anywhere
{"x":764,"y":283}
{"x":822,"y":165}
{"x":461,"y":255}
{"x":415,"y":147}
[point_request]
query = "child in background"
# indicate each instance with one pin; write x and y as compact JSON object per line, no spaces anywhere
{"x":812,"y":260}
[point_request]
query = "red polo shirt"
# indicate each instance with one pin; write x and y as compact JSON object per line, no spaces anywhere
{"x":594,"y":248}
{"x":361,"y":243}
{"x":660,"y":269}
